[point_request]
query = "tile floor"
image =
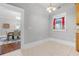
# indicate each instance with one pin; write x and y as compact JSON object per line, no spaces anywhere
{"x":50,"y":49}
{"x":46,"y":49}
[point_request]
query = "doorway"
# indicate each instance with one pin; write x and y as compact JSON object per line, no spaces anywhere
{"x":11,"y":28}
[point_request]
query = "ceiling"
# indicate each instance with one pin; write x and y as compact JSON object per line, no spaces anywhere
{"x":7,"y":14}
{"x":45,"y":5}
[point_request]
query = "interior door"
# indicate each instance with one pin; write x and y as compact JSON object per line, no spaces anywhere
{"x":77,"y":26}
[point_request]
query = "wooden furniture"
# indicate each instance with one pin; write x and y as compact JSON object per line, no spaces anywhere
{"x":6,"y":26}
{"x":77,"y":13}
{"x":5,"y":48}
{"x":77,"y":42}
{"x":77,"y":24}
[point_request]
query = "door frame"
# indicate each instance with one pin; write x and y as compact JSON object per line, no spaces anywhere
{"x":17,"y":9}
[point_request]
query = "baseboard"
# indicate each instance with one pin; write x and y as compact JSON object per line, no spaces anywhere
{"x":36,"y":43}
{"x":71,"y":44}
{"x":33,"y":44}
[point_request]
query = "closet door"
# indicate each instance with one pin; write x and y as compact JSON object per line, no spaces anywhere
{"x":77,"y":26}
{"x":77,"y":14}
{"x":77,"y":41}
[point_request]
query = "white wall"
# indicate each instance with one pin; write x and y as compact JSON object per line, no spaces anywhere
{"x":36,"y":23}
{"x":69,"y":35}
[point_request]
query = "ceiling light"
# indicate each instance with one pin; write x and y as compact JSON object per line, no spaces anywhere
{"x":50,"y":11}
{"x":51,"y":8}
{"x":17,"y":27}
{"x":18,"y":18}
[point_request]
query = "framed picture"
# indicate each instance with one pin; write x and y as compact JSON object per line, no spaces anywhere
{"x":6,"y":26}
{"x":58,"y":24}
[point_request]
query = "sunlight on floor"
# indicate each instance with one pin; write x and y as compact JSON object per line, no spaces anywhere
{"x":46,"y":49}
{"x":50,"y":49}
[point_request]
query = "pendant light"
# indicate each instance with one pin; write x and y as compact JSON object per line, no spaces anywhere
{"x":50,"y":8}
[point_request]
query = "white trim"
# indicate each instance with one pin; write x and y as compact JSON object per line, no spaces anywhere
{"x":33,"y":44}
{"x":63,"y":42}
{"x":36,"y":43}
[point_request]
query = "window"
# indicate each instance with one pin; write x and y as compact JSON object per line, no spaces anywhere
{"x":58,"y":24}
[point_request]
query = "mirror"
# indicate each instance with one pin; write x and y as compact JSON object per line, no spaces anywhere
{"x":9,"y":24}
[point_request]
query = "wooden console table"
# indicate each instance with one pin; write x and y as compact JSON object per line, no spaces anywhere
{"x":5,"y":48}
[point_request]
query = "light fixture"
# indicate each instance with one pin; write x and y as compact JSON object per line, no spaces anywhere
{"x":18,"y":18}
{"x":17,"y":27}
{"x":50,"y":8}
{"x":53,"y":8}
